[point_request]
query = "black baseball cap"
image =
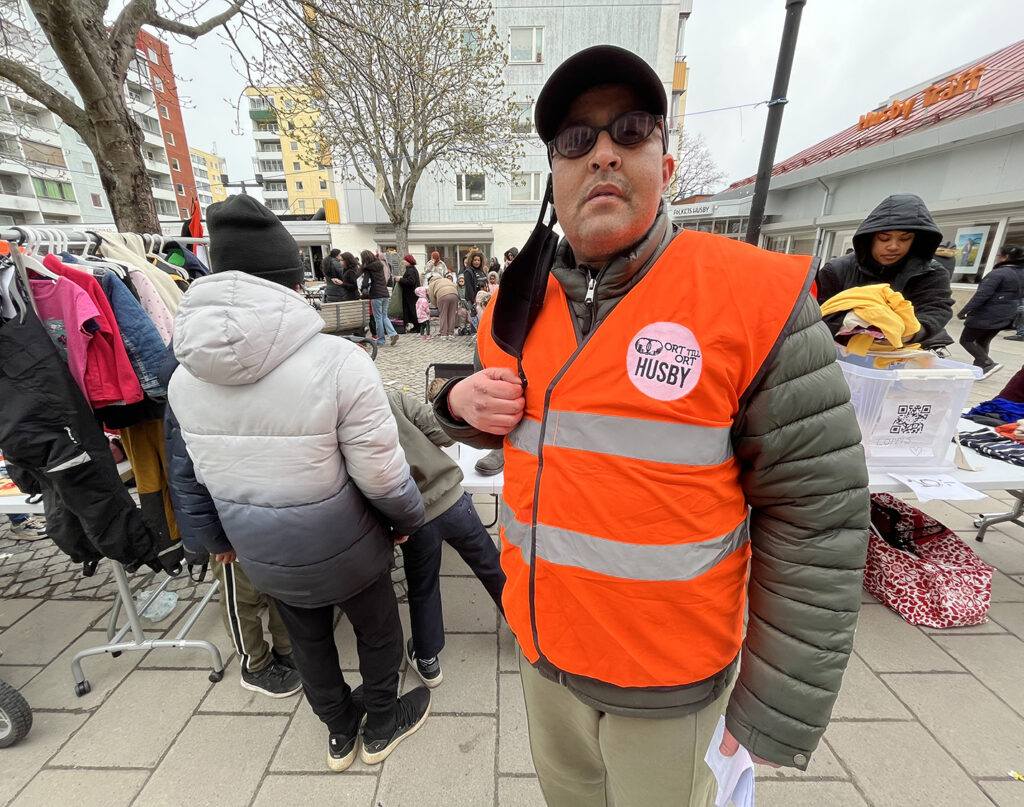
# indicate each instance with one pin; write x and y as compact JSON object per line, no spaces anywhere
{"x":601,"y":64}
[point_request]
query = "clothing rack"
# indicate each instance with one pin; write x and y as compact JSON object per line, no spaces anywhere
{"x":118,"y":639}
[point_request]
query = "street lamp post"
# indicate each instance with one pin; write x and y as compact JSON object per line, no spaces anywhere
{"x":794,"y":8}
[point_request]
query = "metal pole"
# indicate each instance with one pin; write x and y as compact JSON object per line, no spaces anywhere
{"x":794,"y":8}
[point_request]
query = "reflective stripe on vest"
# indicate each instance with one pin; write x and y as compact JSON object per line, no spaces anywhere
{"x":633,"y":438}
{"x":616,"y":559}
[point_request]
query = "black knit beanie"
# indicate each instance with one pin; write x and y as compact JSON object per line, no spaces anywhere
{"x":247,"y":237}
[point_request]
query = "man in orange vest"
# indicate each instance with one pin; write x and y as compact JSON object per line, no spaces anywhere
{"x":679,"y":450}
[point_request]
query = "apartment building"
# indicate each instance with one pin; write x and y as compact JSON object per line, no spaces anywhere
{"x":293,"y":183}
{"x":47,"y":173}
{"x":455,"y":212}
{"x":207,"y":168}
{"x":155,"y":56}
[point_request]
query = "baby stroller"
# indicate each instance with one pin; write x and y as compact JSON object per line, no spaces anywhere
{"x":15,"y":715}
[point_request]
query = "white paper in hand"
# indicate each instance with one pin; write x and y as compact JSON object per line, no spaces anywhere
{"x":735,"y":774}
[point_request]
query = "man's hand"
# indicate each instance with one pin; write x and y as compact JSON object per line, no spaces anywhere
{"x":491,"y":400}
{"x":730,"y":745}
{"x":335,"y":281}
{"x":225,"y":557}
{"x":400,"y":539}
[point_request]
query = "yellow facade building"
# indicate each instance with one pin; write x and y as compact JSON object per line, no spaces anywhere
{"x":207,"y":168}
{"x":293,"y":181}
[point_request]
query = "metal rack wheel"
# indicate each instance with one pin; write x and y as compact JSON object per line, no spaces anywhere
{"x":83,"y":688}
{"x":216,"y":676}
{"x":15,"y":715}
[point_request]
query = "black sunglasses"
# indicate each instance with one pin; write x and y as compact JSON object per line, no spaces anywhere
{"x":629,"y":129}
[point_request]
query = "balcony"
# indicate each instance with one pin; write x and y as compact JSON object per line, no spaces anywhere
{"x":157,"y":167}
{"x":20,"y":202}
{"x":57,"y":207}
{"x":161,"y":192}
{"x":262,"y":114}
{"x":153,"y":138}
{"x":282,"y":194}
{"x":264,"y":135}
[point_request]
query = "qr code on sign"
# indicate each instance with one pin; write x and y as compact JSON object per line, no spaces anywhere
{"x":910,"y":418}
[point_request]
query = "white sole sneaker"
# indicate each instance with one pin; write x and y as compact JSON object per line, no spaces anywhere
{"x":380,"y":756}
{"x":343,"y":763}
{"x":991,"y":371}
{"x":430,"y":682}
{"x":253,"y":688}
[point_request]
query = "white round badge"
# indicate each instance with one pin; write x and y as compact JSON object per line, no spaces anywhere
{"x":664,"y":361}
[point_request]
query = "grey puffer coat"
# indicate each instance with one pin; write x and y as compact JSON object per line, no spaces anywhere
{"x":805,"y":480}
{"x":994,"y":304}
{"x":291,"y":433}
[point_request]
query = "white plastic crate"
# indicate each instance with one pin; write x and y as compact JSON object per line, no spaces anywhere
{"x":908,"y":413}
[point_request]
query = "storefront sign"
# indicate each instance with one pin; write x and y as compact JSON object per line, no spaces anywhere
{"x":682,"y":211}
{"x":939,"y":91}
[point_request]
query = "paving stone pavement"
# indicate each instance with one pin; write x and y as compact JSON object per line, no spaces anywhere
{"x":925,"y":717}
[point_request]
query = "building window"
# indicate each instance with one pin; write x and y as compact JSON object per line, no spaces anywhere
{"x":470,"y":188}
{"x":164,"y":113}
{"x":296,"y":166}
{"x":51,"y":189}
{"x":294,"y":145}
{"x":258,"y":102}
{"x":180,"y":189}
{"x":175,"y":165}
{"x":89,"y":168}
{"x":269,"y":166}
{"x":277,"y":204}
{"x":96,"y":201}
{"x":524,"y":120}
{"x":298,"y":186}
{"x":301,"y":205}
{"x":165,"y":207}
{"x":158,"y":84}
{"x":527,"y":45}
{"x":154,"y":57}
{"x":184,"y":213}
{"x":527,"y":186}
{"x":323,"y":184}
{"x":140,"y":53}
{"x":291,"y":126}
{"x":169,"y":137}
{"x":288,"y":104}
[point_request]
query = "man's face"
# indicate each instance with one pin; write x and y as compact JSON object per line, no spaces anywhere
{"x":890,"y":246}
{"x":608,"y":198}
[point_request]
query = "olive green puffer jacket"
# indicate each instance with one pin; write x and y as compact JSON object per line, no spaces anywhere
{"x":805,"y":480}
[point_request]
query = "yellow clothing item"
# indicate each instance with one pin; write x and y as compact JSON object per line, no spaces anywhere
{"x":880,"y":306}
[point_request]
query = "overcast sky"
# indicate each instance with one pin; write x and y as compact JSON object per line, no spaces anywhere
{"x":851,"y":55}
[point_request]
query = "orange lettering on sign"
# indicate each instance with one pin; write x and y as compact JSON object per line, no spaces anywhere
{"x":939,"y":91}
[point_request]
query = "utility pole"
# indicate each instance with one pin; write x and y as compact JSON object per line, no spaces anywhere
{"x":794,"y":8}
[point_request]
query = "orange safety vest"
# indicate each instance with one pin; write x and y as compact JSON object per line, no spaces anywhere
{"x":624,"y":525}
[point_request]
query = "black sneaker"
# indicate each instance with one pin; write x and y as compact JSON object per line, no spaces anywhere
{"x":341,"y":748}
{"x":429,"y":672}
{"x":991,"y":370}
{"x":274,"y":681}
{"x":1015,"y":338}
{"x":410,"y":713}
{"x":285,"y":660}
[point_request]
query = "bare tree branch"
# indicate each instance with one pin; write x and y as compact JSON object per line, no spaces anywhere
{"x":32,"y":85}
{"x":194,"y":31}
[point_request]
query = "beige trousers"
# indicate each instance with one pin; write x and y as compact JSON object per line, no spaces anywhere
{"x":587,"y":758}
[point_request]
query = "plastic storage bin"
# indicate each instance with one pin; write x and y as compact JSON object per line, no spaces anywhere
{"x":908,"y":412}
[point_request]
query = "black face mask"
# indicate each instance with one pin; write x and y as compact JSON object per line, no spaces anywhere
{"x":523,"y":286}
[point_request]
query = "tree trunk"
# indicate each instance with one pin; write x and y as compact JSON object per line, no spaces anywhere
{"x":122,"y":170}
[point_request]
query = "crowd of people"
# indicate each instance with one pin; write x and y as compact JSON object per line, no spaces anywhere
{"x":457,"y":298}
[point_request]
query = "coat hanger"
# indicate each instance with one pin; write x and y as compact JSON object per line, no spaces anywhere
{"x":29,"y":261}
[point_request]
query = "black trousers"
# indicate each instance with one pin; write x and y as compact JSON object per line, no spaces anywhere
{"x":373,"y":613}
{"x":460,"y":526}
{"x":976,"y":341}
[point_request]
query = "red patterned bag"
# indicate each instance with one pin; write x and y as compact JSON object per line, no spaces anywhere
{"x":921,"y":570}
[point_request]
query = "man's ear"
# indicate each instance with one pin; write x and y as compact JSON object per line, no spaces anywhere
{"x":668,"y":165}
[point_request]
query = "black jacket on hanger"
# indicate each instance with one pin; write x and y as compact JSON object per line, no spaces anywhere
{"x":53,"y":446}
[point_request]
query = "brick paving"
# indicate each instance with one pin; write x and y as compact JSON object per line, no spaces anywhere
{"x":925,"y":717}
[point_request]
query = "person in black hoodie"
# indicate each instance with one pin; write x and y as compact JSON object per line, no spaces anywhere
{"x":379,"y":296}
{"x":896,"y":244}
{"x":993,"y":306}
{"x":332,"y":274}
